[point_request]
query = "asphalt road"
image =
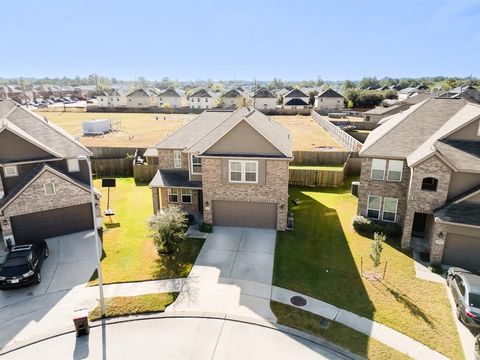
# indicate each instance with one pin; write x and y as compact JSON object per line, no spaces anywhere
{"x":177,"y":338}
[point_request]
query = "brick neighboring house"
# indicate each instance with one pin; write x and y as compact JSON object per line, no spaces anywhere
{"x":172,"y":98}
{"x":377,"y":114}
{"x":231,"y":166}
{"x":142,"y":98}
{"x":234,"y":99}
{"x":44,"y":188}
{"x":329,"y":100}
{"x":421,"y":169}
{"x":112,"y":98}
{"x":202,"y":99}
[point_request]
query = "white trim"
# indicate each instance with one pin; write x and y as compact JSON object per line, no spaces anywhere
{"x":53,"y":189}
{"x":190,"y":194}
{"x":177,"y":160}
{"x":384,"y":169}
{"x":242,"y":171}
{"x":467,"y":196}
{"x":383,"y":209}
{"x":15,"y":172}
{"x":169,"y":192}
{"x":379,"y":207}
{"x":401,"y":170}
{"x":30,"y":162}
{"x":191,"y":165}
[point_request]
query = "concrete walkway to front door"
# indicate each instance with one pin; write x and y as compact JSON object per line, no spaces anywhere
{"x":232,"y":274}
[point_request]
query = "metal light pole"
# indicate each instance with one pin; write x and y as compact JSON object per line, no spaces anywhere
{"x":98,"y":244}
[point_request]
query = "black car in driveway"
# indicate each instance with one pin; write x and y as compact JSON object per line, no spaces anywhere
{"x":465,"y":287}
{"x":22,"y":265}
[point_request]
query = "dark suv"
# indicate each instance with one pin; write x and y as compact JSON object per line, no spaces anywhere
{"x":22,"y":265}
{"x":466,"y":293}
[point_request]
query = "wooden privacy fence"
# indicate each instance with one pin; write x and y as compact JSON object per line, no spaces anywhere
{"x":103,"y":152}
{"x":112,"y":167}
{"x":315,"y":178}
{"x":320,"y":157}
{"x":144,"y":173}
{"x":360,"y":125}
{"x":348,"y":141}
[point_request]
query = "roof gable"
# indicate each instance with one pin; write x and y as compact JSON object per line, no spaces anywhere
{"x":295,"y":93}
{"x":234,"y":93}
{"x":296,"y":101}
{"x":201,"y":93}
{"x":16,"y":145}
{"x":263,"y":93}
{"x":330,"y":93}
{"x":139,"y":93}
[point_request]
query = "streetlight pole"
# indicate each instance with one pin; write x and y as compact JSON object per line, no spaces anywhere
{"x":98,"y":244}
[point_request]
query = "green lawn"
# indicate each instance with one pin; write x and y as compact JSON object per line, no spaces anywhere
{"x":131,"y":305}
{"x":316,"y":167}
{"x":129,"y":254}
{"x":322,"y":258}
{"x":336,"y":333}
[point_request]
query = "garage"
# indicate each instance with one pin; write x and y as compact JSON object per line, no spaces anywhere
{"x":463,"y":251}
{"x":245,"y":214}
{"x":46,"y":224}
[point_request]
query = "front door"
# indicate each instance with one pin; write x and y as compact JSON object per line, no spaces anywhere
{"x":200,"y":201}
{"x":419,"y":224}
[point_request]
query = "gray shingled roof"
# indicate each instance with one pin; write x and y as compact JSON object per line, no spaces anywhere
{"x":175,"y":179}
{"x":467,"y":213}
{"x":172,"y":93}
{"x":44,"y":132}
{"x":463,"y":155}
{"x":405,"y":132}
{"x":234,"y":93}
{"x":330,"y":93}
{"x":296,"y":101}
{"x":263,"y":93}
{"x":295,"y":93}
{"x":380,"y":110}
{"x":201,"y":93}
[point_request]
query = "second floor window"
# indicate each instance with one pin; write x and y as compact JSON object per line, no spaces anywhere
{"x":395,"y":169}
{"x":429,"y":184}
{"x":196,"y":165}
{"x":373,"y":206}
{"x":378,"y":169}
{"x":177,"y":159}
{"x":242,"y":171}
{"x":10,"y":171}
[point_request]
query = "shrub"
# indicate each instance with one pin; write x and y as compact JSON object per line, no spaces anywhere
{"x":436,"y":268}
{"x":206,"y":228}
{"x":190,"y":219}
{"x":368,"y":227}
{"x":377,"y":248}
{"x":168,"y":229}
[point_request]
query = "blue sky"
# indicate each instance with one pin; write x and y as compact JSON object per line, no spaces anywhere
{"x":194,"y":39}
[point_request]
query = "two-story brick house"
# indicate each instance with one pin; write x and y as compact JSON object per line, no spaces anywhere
{"x":421,"y":169}
{"x":231,"y":166}
{"x":44,"y":185}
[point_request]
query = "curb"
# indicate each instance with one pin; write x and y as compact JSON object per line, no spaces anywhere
{"x":193,"y":315}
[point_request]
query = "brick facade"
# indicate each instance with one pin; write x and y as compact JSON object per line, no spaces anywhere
{"x":162,"y":201}
{"x":165,"y":160}
{"x":275,"y":189}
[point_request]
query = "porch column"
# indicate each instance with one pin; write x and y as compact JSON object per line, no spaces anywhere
{"x":407,"y":228}
{"x":156,"y":201}
{"x":439,"y":235}
{"x":7,"y":231}
{"x":2,"y":190}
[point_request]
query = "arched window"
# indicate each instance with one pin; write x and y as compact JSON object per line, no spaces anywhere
{"x":429,"y":184}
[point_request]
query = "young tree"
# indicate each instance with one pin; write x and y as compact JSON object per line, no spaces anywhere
{"x":348,"y":84}
{"x":377,"y":248}
{"x":168,"y":229}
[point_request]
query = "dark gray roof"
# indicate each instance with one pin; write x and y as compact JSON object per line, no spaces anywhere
{"x":295,"y":93}
{"x":174,"y":178}
{"x":263,"y":93}
{"x":467,"y":213}
{"x":296,"y":101}
{"x":201,"y":93}
{"x":142,"y":92}
{"x":380,"y":110}
{"x":40,"y":130}
{"x":234,"y":93}
{"x":172,"y":93}
{"x":330,"y":93}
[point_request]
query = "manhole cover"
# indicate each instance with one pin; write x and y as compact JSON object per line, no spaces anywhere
{"x":324,"y":323}
{"x":298,"y":301}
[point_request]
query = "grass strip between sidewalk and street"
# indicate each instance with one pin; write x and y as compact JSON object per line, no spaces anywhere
{"x":133,"y":305}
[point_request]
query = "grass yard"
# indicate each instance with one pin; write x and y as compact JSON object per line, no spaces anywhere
{"x":129,"y":254}
{"x":336,"y":333}
{"x":318,"y":168}
{"x":322,"y":258}
{"x":145,"y":129}
{"x":131,"y":305}
{"x":306,"y":133}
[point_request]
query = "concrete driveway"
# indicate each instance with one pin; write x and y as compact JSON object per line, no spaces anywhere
{"x":232,"y":274}
{"x":178,"y":338}
{"x":29,"y":312}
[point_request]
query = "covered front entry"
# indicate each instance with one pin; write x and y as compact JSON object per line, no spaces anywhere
{"x":245,"y":214}
{"x":463,"y":251}
{"x":47,"y":224}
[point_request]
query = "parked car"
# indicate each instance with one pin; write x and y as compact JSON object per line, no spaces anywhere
{"x":22,"y":265}
{"x":465,"y":287}
{"x":477,"y":347}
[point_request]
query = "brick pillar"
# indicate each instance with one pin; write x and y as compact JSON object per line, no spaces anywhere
{"x":156,"y":202}
{"x":438,"y":243}
{"x":207,"y":211}
{"x":2,"y":190}
{"x":407,"y":228}
{"x":7,"y":231}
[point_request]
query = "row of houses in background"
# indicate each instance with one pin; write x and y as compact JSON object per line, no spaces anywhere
{"x":262,"y":99}
{"x":22,"y":95}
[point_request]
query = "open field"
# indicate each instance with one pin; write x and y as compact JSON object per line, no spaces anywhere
{"x":137,"y":130}
{"x":306,"y":133}
{"x":143,"y":130}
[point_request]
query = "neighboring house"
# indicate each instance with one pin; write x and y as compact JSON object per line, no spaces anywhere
{"x":234,"y":99}
{"x":264,"y":99}
{"x":421,"y":169}
{"x":329,"y":100}
{"x":379,"y":113}
{"x":44,"y":188}
{"x":296,"y":99}
{"x":407,"y":92}
{"x":172,"y":98}
{"x":231,"y":166}
{"x":467,"y":92}
{"x":142,"y":98}
{"x":112,"y":98}
{"x":202,"y":99}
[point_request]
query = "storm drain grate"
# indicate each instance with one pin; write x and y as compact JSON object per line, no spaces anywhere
{"x":324,"y":323}
{"x":298,"y":301}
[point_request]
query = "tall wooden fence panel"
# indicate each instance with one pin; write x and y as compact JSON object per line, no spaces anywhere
{"x":320,"y":157}
{"x":348,"y":141}
{"x":353,"y":166}
{"x":103,"y":152}
{"x":144,"y":173}
{"x":315,"y":178}
{"x":112,"y":167}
